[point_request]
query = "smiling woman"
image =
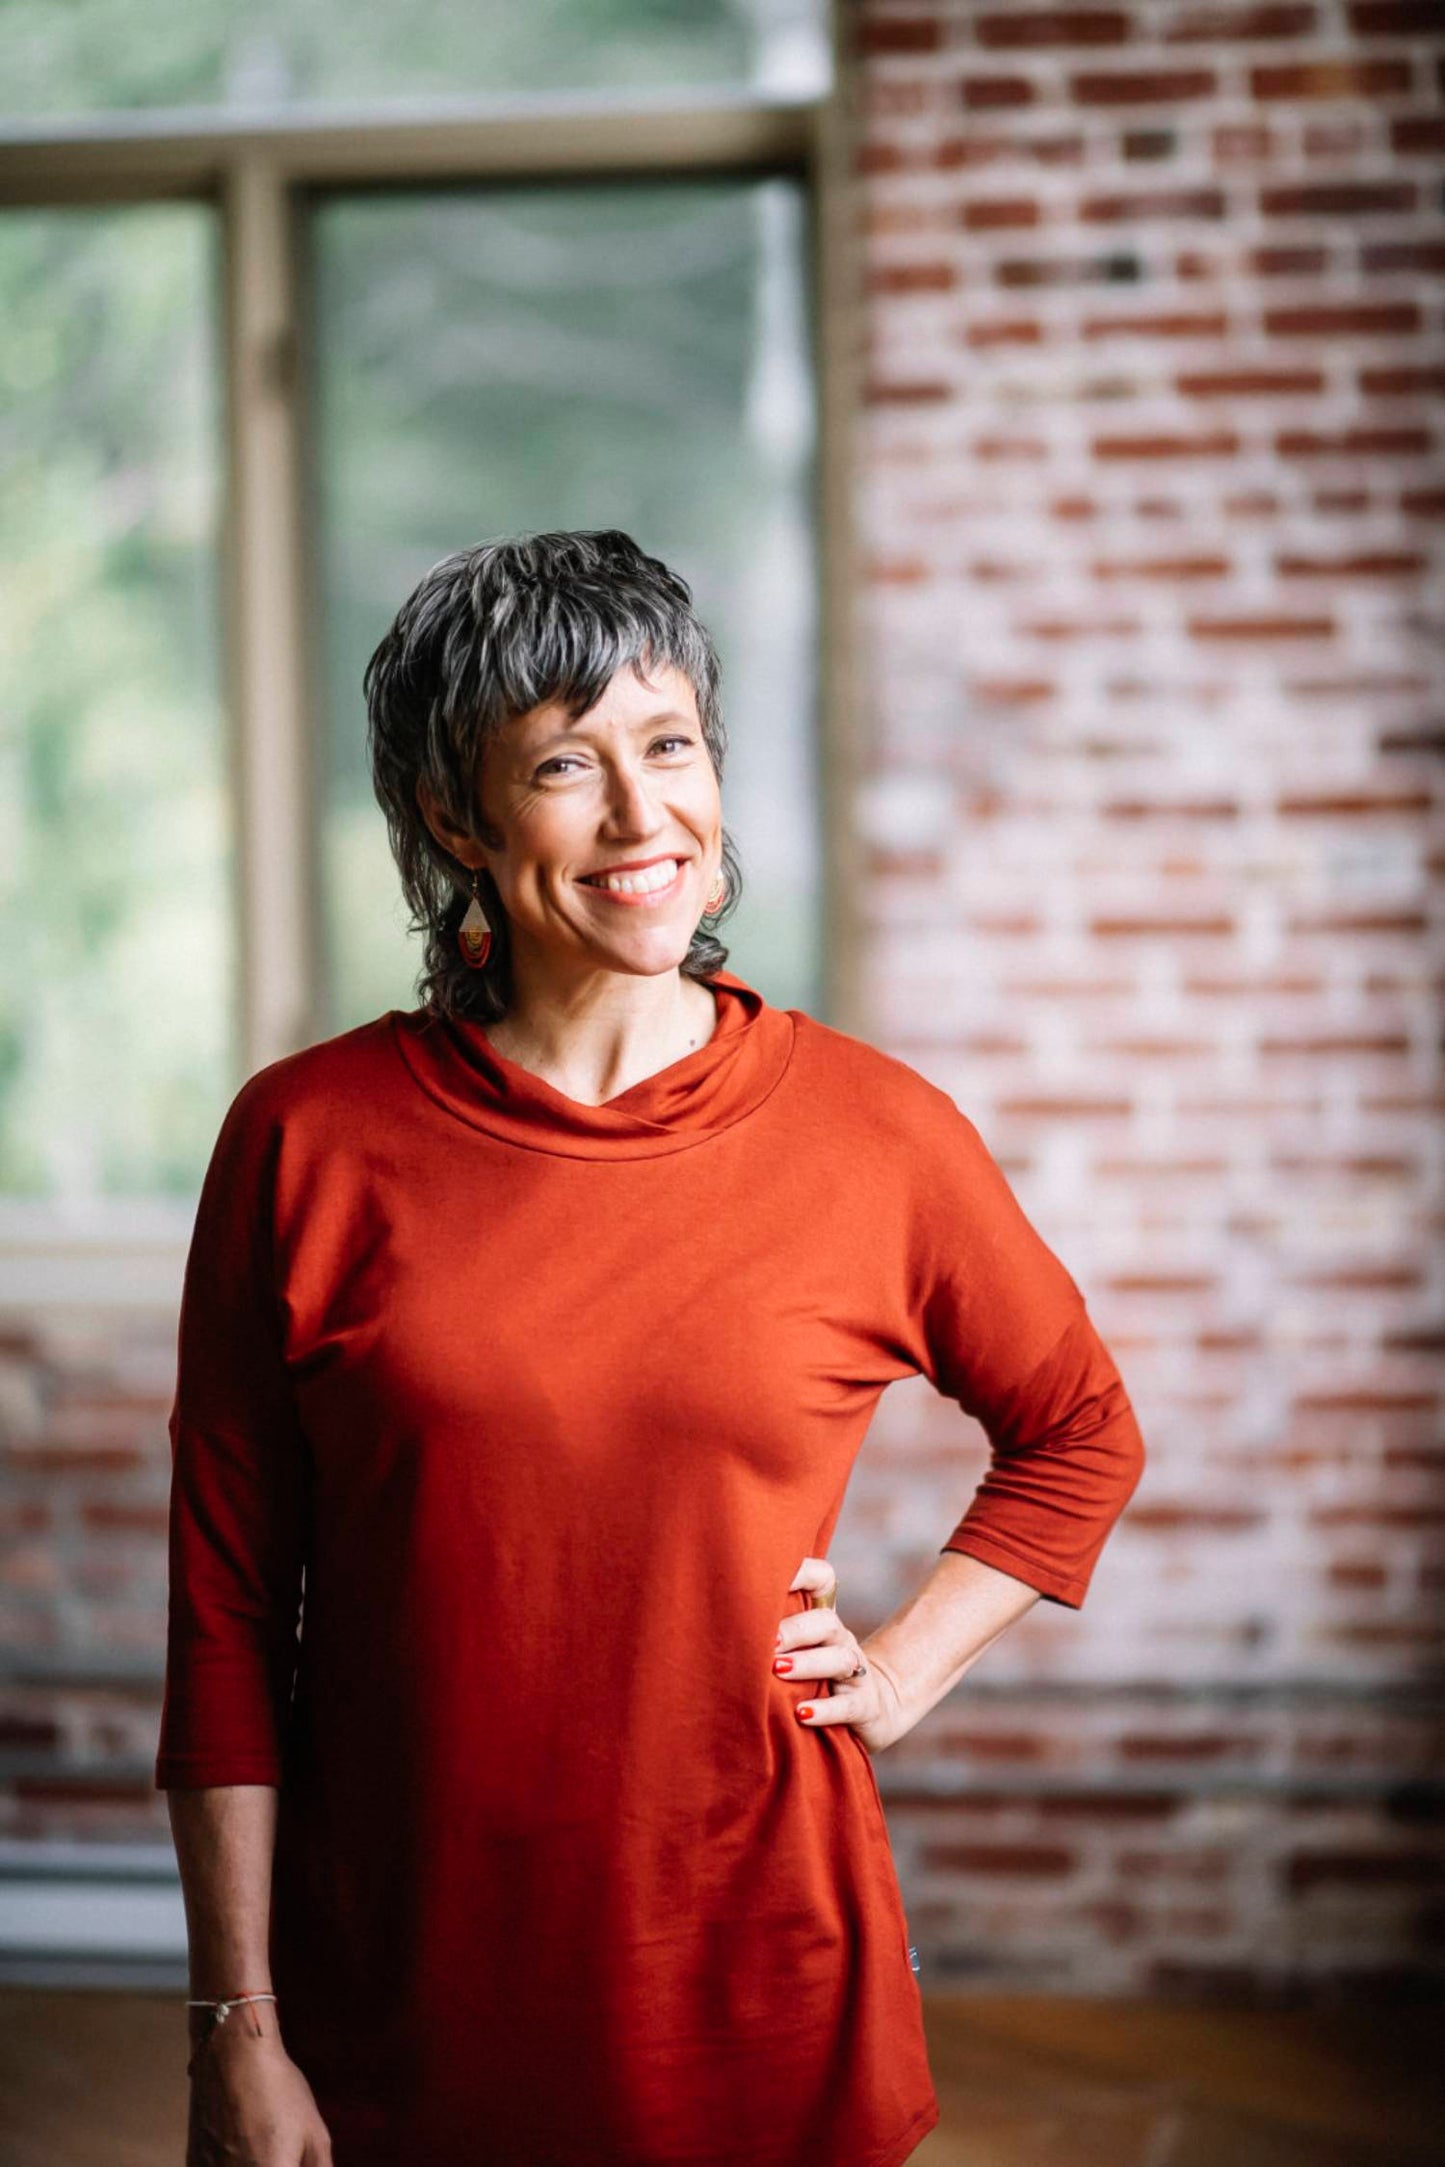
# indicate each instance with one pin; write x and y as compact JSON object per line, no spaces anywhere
{"x":532,"y":1333}
{"x":580,"y":864}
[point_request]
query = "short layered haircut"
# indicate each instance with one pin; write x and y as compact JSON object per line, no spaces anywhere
{"x":488,"y":634}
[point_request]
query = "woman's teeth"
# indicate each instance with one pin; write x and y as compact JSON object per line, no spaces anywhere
{"x":653,"y":876}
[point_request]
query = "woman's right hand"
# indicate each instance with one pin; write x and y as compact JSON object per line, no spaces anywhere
{"x":250,"y":2104}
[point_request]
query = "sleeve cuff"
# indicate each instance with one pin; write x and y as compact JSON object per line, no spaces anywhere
{"x":1057,"y":1587}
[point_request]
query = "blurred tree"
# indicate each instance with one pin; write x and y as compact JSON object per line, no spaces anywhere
{"x":60,"y":56}
{"x":116,"y":958}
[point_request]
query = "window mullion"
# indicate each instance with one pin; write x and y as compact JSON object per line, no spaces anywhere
{"x":265,"y":580}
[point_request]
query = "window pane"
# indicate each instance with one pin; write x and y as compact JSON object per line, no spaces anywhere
{"x":115,"y":933}
{"x":631,"y":357}
{"x":69,"y":56}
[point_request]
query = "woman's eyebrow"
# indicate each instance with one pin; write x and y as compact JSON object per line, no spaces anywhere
{"x":570,"y":731}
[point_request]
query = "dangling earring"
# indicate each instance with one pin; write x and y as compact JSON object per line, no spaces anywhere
{"x":474,"y":934}
{"x":717,"y":897}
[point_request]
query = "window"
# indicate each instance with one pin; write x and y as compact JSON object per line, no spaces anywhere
{"x":263,"y":371}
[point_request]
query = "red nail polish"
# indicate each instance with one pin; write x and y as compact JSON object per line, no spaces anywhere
{"x":805,"y":1711}
{"x":783,"y":1662}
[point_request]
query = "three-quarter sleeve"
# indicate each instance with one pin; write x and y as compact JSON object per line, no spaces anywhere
{"x":239,"y":1484}
{"x":1004,"y":1330}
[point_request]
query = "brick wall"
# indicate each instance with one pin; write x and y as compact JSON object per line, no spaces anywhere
{"x":1153,"y":476}
{"x":1151,"y":492}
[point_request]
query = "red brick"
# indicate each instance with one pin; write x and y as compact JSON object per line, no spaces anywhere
{"x":882,"y":34}
{"x":1167,"y":324}
{"x":1152,"y":925}
{"x":133,"y":1519}
{"x":1299,"y":262}
{"x":877,"y":157}
{"x":974,"y":151}
{"x":1274,"y":627}
{"x":1035,"y":1860}
{"x":901,"y":278}
{"x":1250,"y":383}
{"x":1389,"y":257}
{"x":1173,"y":444}
{"x":921,"y":391}
{"x":1064,"y":1107}
{"x":1012,"y":691}
{"x":1224,"y":25}
{"x":1360,"y":564}
{"x":1418,"y":134}
{"x":1397,"y":18}
{"x":1189,"y":1747}
{"x":1358,"y":443}
{"x":996,"y":93}
{"x":1198,"y":1518}
{"x":1172,"y":809}
{"x":1001,"y":216}
{"x":1364,"y":1869}
{"x":1041,"y":30}
{"x":1010,"y":331}
{"x":1342,"y":78}
{"x":1338,"y":199}
{"x":1125,"y":208}
{"x":1165,"y":568}
{"x":1143,"y":86}
{"x":1343,"y":320}
{"x":1404,"y":383}
{"x":1004,"y":449}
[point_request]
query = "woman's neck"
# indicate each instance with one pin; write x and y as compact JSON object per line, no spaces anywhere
{"x":598,"y":1046}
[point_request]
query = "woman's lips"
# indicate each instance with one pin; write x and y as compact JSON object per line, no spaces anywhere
{"x":652,"y":895}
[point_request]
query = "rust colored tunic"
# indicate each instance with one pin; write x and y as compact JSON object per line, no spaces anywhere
{"x":502,"y":1425}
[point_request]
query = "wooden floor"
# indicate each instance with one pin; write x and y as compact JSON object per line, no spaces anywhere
{"x":98,"y":2080}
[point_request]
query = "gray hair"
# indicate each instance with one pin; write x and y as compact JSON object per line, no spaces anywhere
{"x":488,"y":634}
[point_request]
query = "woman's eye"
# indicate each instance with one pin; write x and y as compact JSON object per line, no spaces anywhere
{"x":565,"y":759}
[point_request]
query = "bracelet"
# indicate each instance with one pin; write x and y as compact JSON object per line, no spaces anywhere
{"x":221,"y":2010}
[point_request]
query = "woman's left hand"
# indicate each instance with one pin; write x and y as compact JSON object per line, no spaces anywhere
{"x":815,"y":1643}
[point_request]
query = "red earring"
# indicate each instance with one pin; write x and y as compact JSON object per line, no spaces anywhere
{"x":717,"y":898}
{"x":474,"y":934}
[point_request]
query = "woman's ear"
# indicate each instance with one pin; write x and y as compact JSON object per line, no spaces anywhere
{"x":451,"y":838}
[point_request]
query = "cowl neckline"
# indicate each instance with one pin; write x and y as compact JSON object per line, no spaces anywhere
{"x":703,"y":1092}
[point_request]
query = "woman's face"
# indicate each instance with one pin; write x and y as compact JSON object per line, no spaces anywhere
{"x":631,"y":779}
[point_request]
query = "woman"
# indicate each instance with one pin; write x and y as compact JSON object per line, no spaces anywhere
{"x":528,"y":1340}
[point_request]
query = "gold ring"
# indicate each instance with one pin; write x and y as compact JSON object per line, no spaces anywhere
{"x":825,"y":1602}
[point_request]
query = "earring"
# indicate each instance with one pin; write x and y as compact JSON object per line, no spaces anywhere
{"x":718,"y":896}
{"x":474,"y":934}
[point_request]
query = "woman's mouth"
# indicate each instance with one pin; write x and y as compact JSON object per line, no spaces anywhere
{"x":653,"y":884}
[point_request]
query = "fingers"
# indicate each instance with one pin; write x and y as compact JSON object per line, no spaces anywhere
{"x":838,"y":1664}
{"x":815,"y":1645}
{"x":851,"y":1699}
{"x":817,"y":1577}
